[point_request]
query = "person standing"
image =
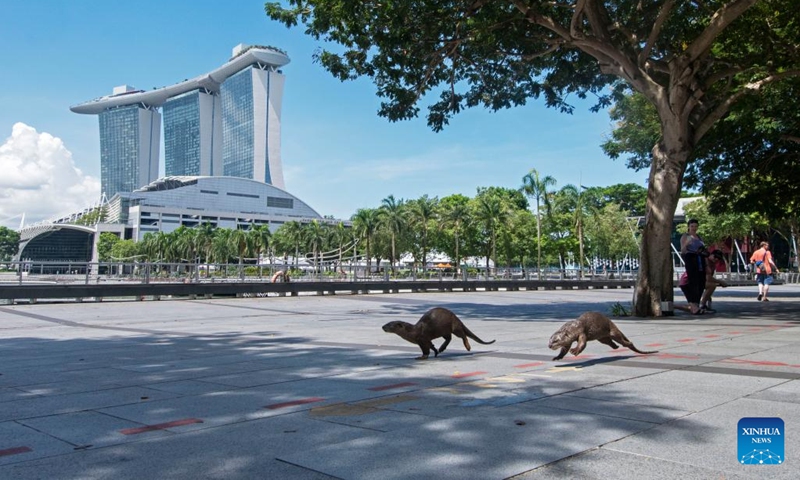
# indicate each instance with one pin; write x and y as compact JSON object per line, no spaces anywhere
{"x":693,"y":252}
{"x":764,"y":268}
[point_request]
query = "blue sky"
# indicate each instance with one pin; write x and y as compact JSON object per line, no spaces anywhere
{"x":338,"y":155}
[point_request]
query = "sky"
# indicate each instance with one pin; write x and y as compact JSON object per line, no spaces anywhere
{"x":338,"y":155}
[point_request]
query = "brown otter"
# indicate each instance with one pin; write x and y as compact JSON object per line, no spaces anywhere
{"x":589,"y":326}
{"x":436,"y":322}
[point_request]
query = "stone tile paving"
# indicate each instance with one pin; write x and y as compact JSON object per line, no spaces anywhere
{"x":310,"y":387}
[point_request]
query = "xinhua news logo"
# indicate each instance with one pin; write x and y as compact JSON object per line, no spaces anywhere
{"x":761,"y":441}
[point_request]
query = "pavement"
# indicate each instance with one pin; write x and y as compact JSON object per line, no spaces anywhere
{"x":310,"y":387}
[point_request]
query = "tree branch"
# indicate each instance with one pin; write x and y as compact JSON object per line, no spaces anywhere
{"x":724,"y":107}
{"x":719,"y":21}
{"x":656,"y":31}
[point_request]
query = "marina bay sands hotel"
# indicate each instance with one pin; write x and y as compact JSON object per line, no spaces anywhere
{"x":224,"y":123}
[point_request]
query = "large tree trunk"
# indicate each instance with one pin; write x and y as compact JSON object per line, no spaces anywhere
{"x":655,"y":284}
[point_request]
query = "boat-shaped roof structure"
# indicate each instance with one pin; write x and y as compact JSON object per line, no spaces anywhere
{"x":246,"y":56}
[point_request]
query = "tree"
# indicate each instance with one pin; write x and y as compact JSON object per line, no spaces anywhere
{"x":9,"y":243}
{"x":692,"y":61}
{"x":455,"y":217}
{"x":577,"y":202}
{"x":314,"y":234}
{"x":105,"y":245}
{"x":535,"y":186}
{"x":491,"y":211}
{"x":392,"y":216}
{"x":421,"y":214}
{"x":365,"y":222}
{"x":611,"y":234}
{"x":260,"y":237}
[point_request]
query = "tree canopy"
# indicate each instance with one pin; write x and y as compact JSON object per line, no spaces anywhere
{"x":692,"y":61}
{"x":9,"y":243}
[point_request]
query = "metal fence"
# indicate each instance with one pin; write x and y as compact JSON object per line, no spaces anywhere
{"x":42,"y":272}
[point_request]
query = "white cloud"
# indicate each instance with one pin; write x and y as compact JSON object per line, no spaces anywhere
{"x":39,"y":178}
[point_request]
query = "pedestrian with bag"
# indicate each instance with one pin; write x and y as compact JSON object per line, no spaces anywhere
{"x":764,"y":267}
{"x":694,"y":253}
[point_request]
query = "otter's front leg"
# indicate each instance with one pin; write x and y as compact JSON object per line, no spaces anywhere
{"x":435,"y":352}
{"x":580,"y":346}
{"x":561,"y":353}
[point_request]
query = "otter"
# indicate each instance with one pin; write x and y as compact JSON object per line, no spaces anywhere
{"x":587,"y":327}
{"x":436,"y":322}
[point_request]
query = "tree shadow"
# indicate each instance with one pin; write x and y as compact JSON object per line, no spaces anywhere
{"x":231,"y":382}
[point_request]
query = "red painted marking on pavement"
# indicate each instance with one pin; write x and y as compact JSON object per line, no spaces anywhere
{"x":526,"y":365}
{"x":394,"y":385}
{"x":755,"y":329}
{"x":655,"y":344}
{"x":670,"y":355}
{"x":14,"y":451}
{"x":467,"y":374}
{"x":685,"y":340}
{"x":302,"y":401}
{"x":757,"y":362}
{"x":159,"y":426}
{"x":581,"y":357}
{"x":710,"y":336}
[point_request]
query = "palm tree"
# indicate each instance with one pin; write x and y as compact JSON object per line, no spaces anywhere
{"x":365,"y":222}
{"x":422,"y":213}
{"x":491,"y":213}
{"x":577,"y":201}
{"x":535,"y":186}
{"x":221,"y":245}
{"x":241,"y":244}
{"x":260,"y":237}
{"x":314,"y":234}
{"x":339,"y":236}
{"x":455,"y":215}
{"x":294,"y":234}
{"x":393,"y":218}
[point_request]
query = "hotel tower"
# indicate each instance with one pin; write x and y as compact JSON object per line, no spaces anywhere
{"x":224,"y":123}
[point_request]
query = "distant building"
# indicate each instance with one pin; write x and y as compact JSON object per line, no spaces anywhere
{"x":225,"y":202}
{"x":225,"y":122}
{"x":128,"y":147}
{"x":163,"y":206}
{"x":193,"y":134}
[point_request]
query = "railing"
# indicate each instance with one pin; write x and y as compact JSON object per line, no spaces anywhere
{"x":50,"y":272}
{"x":35,"y":281}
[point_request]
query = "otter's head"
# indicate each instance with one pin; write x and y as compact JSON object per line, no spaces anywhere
{"x":555,"y":341}
{"x":396,"y":326}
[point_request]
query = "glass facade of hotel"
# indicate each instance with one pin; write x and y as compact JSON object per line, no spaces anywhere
{"x":182,"y":134}
{"x":238,"y":125}
{"x":119,"y":150}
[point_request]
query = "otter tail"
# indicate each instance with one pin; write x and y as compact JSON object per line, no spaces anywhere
{"x":641,"y":351}
{"x":475,"y":337}
{"x":627,"y":343}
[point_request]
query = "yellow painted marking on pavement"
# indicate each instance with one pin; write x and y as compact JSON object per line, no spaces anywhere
{"x":483,"y":385}
{"x":564,"y":369}
{"x":509,"y":379}
{"x":381,"y":402}
{"x":449,"y":390}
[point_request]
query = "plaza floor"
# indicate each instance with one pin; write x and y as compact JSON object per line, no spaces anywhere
{"x":310,"y":387}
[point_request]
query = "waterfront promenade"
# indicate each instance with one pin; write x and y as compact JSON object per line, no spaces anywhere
{"x":310,"y":387}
